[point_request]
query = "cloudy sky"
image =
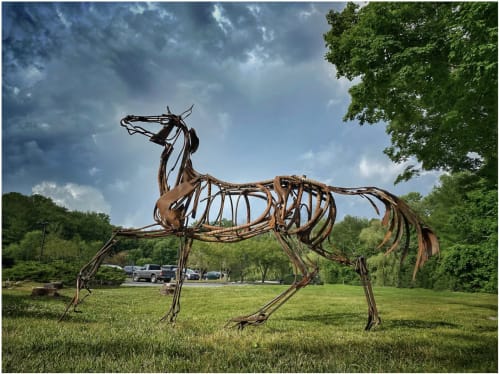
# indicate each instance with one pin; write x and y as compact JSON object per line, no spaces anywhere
{"x":265,"y":101}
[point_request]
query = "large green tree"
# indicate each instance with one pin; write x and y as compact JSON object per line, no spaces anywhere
{"x":427,"y":69}
{"x":464,"y":211}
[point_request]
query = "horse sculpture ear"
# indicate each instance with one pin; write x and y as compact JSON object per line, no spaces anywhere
{"x":194,"y":141}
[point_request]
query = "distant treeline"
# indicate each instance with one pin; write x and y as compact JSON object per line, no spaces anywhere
{"x":462,"y":210}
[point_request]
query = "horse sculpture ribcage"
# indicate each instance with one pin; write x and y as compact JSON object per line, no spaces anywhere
{"x":291,"y":204}
{"x":300,"y":213}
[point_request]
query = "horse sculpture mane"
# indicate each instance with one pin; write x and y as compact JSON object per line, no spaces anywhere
{"x":300,"y":212}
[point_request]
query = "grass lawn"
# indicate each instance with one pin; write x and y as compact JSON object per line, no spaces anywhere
{"x":319,"y":330}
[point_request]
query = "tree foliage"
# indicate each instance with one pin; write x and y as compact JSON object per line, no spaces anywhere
{"x":260,"y":258}
{"x":384,"y":269}
{"x":430,"y":71}
{"x":462,"y":210}
{"x":21,"y":214}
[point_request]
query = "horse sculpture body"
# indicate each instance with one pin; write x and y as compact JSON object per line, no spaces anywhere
{"x":299,"y":211}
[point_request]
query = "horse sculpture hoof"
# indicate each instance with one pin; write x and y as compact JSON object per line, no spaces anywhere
{"x":244,"y":321}
{"x":372,"y":322}
{"x":169,"y":317}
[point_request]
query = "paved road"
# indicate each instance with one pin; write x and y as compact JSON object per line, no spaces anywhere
{"x":131,"y":283}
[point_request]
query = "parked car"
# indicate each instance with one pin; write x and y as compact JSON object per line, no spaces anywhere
{"x":153,"y":273}
{"x":211,"y":275}
{"x":129,"y":269}
{"x":171,"y":269}
{"x":113,"y":266}
{"x":189,"y":274}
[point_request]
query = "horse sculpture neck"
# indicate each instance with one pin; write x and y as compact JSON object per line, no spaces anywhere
{"x":175,"y":166}
{"x":174,"y":132}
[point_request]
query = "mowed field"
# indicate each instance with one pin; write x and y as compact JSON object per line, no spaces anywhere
{"x":319,"y":330}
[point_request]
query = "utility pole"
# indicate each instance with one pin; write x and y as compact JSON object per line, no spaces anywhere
{"x":44,"y":232}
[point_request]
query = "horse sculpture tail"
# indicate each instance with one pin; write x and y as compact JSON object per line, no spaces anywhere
{"x":398,"y":218}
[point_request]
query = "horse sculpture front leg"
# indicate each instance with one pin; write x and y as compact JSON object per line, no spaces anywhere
{"x":88,"y":272}
{"x":185,"y":249}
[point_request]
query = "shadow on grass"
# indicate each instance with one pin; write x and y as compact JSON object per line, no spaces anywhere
{"x":286,"y":355}
{"x":417,"y":324}
{"x":331,"y":319}
{"x":105,"y":354}
{"x":478,"y":354}
{"x":342,"y":319}
{"x":44,"y":307}
{"x":493,"y":307}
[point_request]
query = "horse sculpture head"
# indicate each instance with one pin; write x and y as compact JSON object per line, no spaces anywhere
{"x":172,"y":126}
{"x":173,"y":130}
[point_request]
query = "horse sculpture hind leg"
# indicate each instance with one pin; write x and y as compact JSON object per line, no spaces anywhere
{"x":306,"y":267}
{"x":373,"y":317}
{"x":308,"y":270}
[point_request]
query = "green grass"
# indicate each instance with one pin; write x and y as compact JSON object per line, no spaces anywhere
{"x":320,"y":329}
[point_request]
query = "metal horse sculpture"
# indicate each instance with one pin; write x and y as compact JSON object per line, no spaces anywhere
{"x":299,"y":211}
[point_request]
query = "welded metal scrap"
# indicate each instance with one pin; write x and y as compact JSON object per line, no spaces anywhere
{"x":299,"y":211}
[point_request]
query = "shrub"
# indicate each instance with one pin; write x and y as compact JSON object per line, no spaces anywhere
{"x":60,"y":271}
{"x":29,"y":270}
{"x":108,"y":276}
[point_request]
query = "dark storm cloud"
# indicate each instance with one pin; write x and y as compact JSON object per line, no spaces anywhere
{"x":66,"y":65}
{"x":255,"y":72}
{"x":26,"y":40}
